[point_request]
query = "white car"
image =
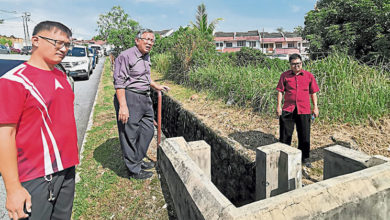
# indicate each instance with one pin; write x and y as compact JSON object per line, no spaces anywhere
{"x":280,"y":56}
{"x":78,"y":62}
{"x":98,"y":48}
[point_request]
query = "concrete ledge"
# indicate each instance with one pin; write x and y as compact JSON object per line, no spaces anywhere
{"x":340,"y":160}
{"x":278,"y":170}
{"x":193,"y":194}
{"x":363,"y":194}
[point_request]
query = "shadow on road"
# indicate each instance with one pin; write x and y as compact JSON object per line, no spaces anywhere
{"x":109,"y":154}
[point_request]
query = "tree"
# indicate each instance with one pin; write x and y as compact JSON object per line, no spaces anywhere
{"x":299,"y":30}
{"x":202,"y":22}
{"x":280,"y":29}
{"x":117,"y":29}
{"x":359,"y":27}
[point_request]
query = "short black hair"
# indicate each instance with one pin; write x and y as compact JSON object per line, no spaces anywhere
{"x":294,"y":56}
{"x":142,"y":31}
{"x":49,"y":25}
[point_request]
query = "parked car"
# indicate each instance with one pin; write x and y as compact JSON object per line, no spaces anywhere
{"x":98,"y":48}
{"x":26,"y":50}
{"x":94,"y":57}
{"x":4,"y":49}
{"x":78,"y":62}
{"x":8,"y":62}
{"x":280,"y":56}
{"x":15,"y":50}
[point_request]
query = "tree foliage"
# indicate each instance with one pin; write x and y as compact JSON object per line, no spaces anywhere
{"x":202,"y":21}
{"x":359,"y":27}
{"x":118,"y":29}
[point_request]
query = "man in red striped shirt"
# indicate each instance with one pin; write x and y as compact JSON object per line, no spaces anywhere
{"x":297,"y":86}
{"x":38,"y":137}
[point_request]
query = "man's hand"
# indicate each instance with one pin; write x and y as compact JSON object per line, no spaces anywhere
{"x":16,"y":198}
{"x":162,"y":88}
{"x":315,"y":112}
{"x":123,"y":114}
{"x":278,"y":111}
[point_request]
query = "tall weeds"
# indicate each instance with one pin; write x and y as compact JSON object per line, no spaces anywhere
{"x":349,"y":91}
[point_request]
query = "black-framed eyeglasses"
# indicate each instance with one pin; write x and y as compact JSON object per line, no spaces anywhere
{"x":296,"y":64}
{"x":148,"y":39}
{"x":58,"y":44}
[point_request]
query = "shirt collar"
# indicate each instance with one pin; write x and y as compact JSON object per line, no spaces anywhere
{"x":300,"y":73}
{"x":139,"y":54}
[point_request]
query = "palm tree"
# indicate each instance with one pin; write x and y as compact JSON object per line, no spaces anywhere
{"x":202,"y":23}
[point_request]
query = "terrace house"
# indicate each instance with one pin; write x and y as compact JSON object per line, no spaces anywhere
{"x":233,"y":41}
{"x":268,"y":43}
{"x":283,"y":43}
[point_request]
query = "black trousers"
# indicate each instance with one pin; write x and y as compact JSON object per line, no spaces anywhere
{"x":286,"y":125}
{"x":61,"y":207}
{"x":136,"y":135}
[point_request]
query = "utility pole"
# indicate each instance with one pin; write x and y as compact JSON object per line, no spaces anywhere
{"x":26,"y":18}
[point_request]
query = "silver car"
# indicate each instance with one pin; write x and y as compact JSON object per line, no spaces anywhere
{"x":4,"y":50}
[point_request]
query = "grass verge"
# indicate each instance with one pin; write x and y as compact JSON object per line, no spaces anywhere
{"x":105,"y":191}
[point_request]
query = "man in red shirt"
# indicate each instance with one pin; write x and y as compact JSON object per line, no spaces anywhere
{"x":298,"y":86}
{"x":38,"y":137}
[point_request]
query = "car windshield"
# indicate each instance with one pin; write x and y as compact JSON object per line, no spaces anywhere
{"x":76,"y":52}
{"x":96,"y":48}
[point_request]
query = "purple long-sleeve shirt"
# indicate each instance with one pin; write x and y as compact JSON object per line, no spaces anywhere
{"x":132,"y":70}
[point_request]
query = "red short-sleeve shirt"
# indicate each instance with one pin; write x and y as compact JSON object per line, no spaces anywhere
{"x":40,"y":103}
{"x":297,"y":90}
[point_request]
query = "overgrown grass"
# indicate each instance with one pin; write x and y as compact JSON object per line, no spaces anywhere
{"x":105,"y":191}
{"x":350,"y":92}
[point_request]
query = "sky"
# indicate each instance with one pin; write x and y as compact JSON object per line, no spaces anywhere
{"x":82,"y":15}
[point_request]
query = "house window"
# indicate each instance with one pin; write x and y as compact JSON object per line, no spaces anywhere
{"x":290,"y":45}
{"x":265,"y":45}
{"x":252,"y":43}
{"x":278,"y":45}
{"x":218,"y":44}
{"x":305,"y":44}
{"x":229,"y":44}
{"x":240,"y":43}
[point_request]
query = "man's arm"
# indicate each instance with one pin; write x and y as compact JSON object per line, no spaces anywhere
{"x":17,"y":195}
{"x":158,"y":86}
{"x":279,"y":104}
{"x":123,"y":114}
{"x":315,"y":106}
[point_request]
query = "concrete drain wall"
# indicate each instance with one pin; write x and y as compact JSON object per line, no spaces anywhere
{"x":274,"y":179}
{"x":364,"y":194}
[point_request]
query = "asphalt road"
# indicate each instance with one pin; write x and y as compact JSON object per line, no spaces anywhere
{"x":85,"y":92}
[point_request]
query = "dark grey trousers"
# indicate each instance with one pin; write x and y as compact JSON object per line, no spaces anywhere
{"x":61,"y":207}
{"x":136,"y":135}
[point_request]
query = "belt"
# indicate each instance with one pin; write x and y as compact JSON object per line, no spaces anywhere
{"x":141,"y":92}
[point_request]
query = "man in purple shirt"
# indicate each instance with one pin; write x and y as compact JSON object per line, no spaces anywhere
{"x":298,"y":86}
{"x":133,"y":104}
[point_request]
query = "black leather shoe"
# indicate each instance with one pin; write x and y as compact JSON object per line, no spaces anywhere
{"x":307,"y":163}
{"x":147,"y":165}
{"x":141,"y":175}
